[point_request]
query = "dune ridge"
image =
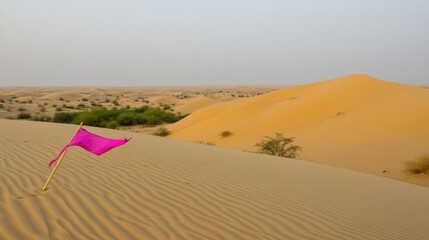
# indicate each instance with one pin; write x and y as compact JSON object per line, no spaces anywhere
{"x":157,"y":188}
{"x":355,"y":122}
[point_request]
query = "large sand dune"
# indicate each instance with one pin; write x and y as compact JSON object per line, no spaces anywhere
{"x":157,"y":188}
{"x":355,"y":122}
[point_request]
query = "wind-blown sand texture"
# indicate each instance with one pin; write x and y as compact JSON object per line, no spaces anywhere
{"x":355,"y":122}
{"x":158,"y":188}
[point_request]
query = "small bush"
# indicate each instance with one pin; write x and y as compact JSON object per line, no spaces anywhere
{"x":225,"y":133}
{"x":23,"y":115}
{"x":162,"y":131}
{"x":279,"y":146}
{"x":420,"y":166}
{"x":127,"y":119}
{"x":41,"y":118}
{"x":63,"y":117}
{"x":68,"y":106}
{"x":80,"y":106}
{"x":165,"y":106}
{"x":84,"y":99}
{"x":1,"y":106}
{"x":112,"y":124}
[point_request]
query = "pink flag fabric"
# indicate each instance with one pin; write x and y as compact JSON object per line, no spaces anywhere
{"x":91,"y":143}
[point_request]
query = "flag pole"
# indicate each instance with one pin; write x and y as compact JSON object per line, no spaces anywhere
{"x":61,"y":158}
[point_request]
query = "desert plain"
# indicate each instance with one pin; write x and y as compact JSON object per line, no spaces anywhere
{"x":349,"y":181}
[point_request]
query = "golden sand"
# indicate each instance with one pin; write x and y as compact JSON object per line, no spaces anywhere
{"x":158,"y":188}
{"x":355,"y":122}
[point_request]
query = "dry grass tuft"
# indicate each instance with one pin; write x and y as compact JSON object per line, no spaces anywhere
{"x":419,"y":166}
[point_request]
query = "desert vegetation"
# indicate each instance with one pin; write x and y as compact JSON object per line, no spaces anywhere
{"x":162,"y":131}
{"x":225,"y":134}
{"x":420,"y":166}
{"x":113,"y":118}
{"x":279,"y":145}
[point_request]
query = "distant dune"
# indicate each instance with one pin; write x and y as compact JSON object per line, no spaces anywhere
{"x":50,"y":100}
{"x":158,"y":188}
{"x":355,"y":122}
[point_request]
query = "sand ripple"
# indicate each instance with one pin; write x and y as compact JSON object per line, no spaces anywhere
{"x":156,"y":188}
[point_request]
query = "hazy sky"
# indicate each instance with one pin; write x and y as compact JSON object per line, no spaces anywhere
{"x":203,"y":42}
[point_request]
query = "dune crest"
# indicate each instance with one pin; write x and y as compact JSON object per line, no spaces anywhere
{"x":356,"y":122}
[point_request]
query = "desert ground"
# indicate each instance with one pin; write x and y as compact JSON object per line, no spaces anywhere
{"x":159,"y":188}
{"x":184,"y":100}
{"x":349,"y":181}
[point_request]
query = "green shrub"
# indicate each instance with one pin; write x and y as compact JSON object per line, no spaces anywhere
{"x":63,"y":117}
{"x":166,"y":107}
{"x":162,"y":131}
{"x":142,"y":109}
{"x":97,"y":117}
{"x":41,"y":118}
{"x":420,"y":166}
{"x":225,"y":133}
{"x":279,"y":146}
{"x":102,"y":117}
{"x":112,"y":124}
{"x":127,"y":119}
{"x":23,"y":115}
{"x":80,"y":106}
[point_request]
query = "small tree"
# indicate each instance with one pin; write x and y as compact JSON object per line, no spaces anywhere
{"x":279,"y":146}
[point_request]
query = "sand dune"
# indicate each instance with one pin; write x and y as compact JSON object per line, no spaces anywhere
{"x":355,"y":122}
{"x":194,"y":104}
{"x":157,"y":188}
{"x":47,"y":101}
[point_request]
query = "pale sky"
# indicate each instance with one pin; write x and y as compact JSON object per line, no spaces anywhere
{"x":211,"y":42}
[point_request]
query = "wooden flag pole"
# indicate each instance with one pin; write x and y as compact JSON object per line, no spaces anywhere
{"x":59,"y":161}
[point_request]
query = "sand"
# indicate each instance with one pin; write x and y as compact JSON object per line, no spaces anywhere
{"x":183,"y":100}
{"x":159,"y":188}
{"x":355,"y":122}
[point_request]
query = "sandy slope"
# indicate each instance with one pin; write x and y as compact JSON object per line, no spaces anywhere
{"x":355,"y":122}
{"x":157,"y":188}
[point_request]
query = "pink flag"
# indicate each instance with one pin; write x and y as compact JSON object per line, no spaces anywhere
{"x":91,"y":143}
